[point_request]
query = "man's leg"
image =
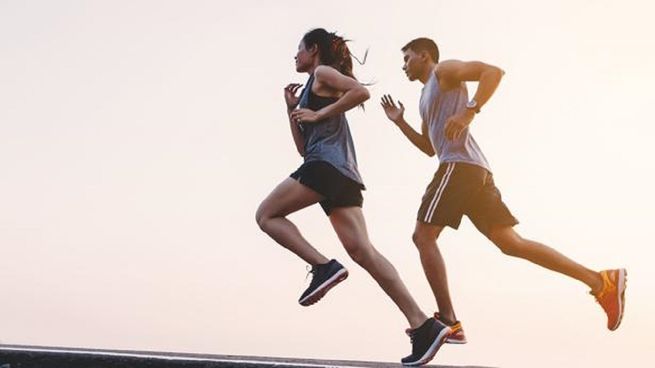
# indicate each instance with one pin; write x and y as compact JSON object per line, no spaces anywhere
{"x":425,"y":238}
{"x":608,"y":286}
{"x":511,"y":243}
{"x":350,"y":226}
{"x":492,"y":217}
{"x":288,"y":197}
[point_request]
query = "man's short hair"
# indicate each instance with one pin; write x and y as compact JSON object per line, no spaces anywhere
{"x":423,"y":44}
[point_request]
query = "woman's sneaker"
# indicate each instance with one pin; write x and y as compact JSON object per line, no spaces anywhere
{"x":457,"y":336}
{"x":325,"y":277}
{"x":426,"y":341}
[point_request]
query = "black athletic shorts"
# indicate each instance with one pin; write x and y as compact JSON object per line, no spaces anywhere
{"x":464,"y":189}
{"x":337,"y":189}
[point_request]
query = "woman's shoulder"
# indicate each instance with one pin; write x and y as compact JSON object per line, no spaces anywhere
{"x":325,"y":71}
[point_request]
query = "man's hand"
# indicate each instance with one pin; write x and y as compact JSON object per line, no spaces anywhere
{"x":456,"y":124}
{"x":290,"y":95}
{"x":305,"y":116}
{"x":393,"y":112}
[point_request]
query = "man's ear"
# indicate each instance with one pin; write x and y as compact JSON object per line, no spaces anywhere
{"x":425,"y":57}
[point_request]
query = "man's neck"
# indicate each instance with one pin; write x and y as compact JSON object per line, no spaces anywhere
{"x":425,"y":76}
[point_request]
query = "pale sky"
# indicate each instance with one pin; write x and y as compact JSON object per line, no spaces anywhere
{"x":137,"y":139}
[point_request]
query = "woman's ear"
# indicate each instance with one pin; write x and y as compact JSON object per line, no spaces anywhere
{"x":313,"y":49}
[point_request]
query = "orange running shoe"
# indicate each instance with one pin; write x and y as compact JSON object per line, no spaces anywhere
{"x":612,"y":296}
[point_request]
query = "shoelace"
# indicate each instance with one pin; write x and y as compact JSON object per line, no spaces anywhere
{"x":310,"y":269}
{"x":411,"y":333}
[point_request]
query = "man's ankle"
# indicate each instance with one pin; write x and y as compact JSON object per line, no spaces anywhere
{"x":597,"y":286}
{"x":448,"y":319}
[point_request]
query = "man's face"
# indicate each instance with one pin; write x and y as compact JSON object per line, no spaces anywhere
{"x":414,"y":64}
{"x":304,"y":58}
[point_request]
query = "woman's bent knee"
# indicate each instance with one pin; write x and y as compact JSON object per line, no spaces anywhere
{"x":359,"y":251}
{"x":262,"y":216}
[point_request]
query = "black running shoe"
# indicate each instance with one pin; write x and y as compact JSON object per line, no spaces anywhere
{"x":325,"y":277}
{"x":426,"y":341}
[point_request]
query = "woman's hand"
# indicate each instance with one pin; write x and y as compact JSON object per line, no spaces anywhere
{"x":290,"y":95}
{"x":305,"y":116}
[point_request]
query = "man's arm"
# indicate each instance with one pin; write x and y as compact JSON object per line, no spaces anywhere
{"x":395,"y":114}
{"x":421,"y":141}
{"x":452,"y":73}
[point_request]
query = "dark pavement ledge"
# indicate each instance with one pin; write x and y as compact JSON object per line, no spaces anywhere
{"x":24,"y":356}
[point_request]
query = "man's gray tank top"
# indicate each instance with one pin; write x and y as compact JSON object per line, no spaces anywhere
{"x":436,"y":107}
{"x":328,"y":140}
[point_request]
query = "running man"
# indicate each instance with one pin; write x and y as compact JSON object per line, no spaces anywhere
{"x":329,"y":176}
{"x":464,"y":185}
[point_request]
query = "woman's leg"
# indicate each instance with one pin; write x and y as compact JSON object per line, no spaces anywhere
{"x":349,"y":224}
{"x":288,"y":197}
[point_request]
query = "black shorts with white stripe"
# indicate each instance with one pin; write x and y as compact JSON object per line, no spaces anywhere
{"x":459,"y":189}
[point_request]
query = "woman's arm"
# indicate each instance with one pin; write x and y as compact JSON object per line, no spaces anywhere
{"x":292,"y":101}
{"x":351,"y":92}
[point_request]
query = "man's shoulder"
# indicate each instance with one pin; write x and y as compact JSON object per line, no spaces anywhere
{"x":447,"y":66}
{"x":446,"y":73}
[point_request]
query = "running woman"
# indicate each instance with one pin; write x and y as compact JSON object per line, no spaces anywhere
{"x":463,"y":183}
{"x":329,"y":176}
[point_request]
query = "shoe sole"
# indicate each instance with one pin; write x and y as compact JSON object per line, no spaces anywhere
{"x":434,"y":348}
{"x":621,"y":296}
{"x":320,"y":291}
{"x":453,"y":339}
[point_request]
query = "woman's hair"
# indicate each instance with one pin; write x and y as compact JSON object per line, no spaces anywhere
{"x":332,"y":50}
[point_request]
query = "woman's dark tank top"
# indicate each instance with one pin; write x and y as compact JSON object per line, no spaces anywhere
{"x":329,"y":139}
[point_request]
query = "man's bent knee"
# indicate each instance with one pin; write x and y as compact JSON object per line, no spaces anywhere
{"x":424,"y":241}
{"x":508,"y":243}
{"x":509,"y":249}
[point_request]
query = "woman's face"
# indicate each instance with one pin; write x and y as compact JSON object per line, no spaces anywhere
{"x":304,"y":58}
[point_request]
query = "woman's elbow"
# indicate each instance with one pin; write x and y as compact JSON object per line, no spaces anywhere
{"x":363,"y":94}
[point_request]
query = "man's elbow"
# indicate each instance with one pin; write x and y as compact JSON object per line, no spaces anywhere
{"x":496,"y":72}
